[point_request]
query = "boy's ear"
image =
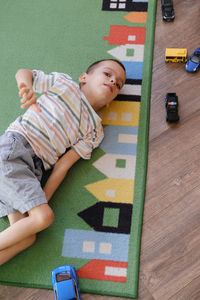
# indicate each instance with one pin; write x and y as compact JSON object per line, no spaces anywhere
{"x":83,"y":78}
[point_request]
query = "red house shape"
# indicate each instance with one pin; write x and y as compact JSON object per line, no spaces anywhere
{"x":96,"y":269}
{"x":123,"y":35}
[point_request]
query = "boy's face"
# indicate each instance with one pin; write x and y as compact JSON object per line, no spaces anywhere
{"x":102,"y":84}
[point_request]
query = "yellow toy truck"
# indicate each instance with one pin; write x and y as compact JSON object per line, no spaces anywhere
{"x":176,"y":55}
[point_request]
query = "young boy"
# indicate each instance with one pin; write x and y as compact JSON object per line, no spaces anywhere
{"x":63,"y":117}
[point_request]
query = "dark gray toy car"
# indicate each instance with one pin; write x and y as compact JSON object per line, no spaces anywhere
{"x":167,"y":10}
{"x":171,"y":104}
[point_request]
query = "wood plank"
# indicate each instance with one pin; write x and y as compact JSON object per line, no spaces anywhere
{"x":174,"y":166}
{"x":170,"y":263}
{"x":182,"y":33}
{"x":191,"y":291}
{"x":21,"y":293}
{"x":171,"y":257}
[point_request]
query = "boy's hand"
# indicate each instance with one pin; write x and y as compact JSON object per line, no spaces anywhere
{"x":28,"y":97}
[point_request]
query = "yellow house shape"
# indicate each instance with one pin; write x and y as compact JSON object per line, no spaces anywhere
{"x":124,"y":113}
{"x":113,"y":190}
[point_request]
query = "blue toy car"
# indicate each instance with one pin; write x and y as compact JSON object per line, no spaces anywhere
{"x":65,"y":283}
{"x":193,"y":62}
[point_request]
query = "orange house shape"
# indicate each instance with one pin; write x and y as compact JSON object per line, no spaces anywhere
{"x":123,"y":35}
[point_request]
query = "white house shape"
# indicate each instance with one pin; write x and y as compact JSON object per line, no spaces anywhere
{"x":131,"y":89}
{"x":107,"y":164}
{"x":129,"y":52}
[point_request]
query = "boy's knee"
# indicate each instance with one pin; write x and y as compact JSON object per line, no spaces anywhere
{"x":46,"y":218}
{"x":43,"y":216}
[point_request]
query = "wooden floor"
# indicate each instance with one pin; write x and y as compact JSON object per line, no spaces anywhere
{"x":170,"y":254}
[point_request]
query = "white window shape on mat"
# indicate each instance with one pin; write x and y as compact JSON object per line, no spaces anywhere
{"x":88,"y":246}
{"x":113,"y":5}
{"x":132,"y":38}
{"x":127,"y":138}
{"x":112,"y":116}
{"x":113,"y":271}
{"x":105,"y":248}
{"x":127,"y":117}
{"x":110,"y":193}
{"x":122,"y":5}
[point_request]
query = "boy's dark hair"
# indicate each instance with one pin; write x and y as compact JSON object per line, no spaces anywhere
{"x":92,"y":66}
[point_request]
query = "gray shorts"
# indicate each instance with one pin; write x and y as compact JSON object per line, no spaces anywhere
{"x":20,"y":175}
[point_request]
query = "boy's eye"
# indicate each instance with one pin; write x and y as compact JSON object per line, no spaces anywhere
{"x":107,"y":74}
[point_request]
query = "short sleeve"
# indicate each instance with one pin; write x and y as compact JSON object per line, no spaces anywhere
{"x":84,"y":147}
{"x":42,"y":82}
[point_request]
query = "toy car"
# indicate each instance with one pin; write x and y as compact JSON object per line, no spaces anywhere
{"x":176,"y":55}
{"x":65,"y":283}
{"x":171,"y":104}
{"x":193,"y":62}
{"x":167,"y":10}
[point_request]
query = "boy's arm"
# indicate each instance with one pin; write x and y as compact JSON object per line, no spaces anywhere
{"x":59,"y":171}
{"x":24,"y":82}
{"x":24,"y":76}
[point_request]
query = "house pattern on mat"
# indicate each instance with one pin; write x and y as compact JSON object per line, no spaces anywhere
{"x":125,"y":5}
{"x":110,"y":217}
{"x":129,"y":42}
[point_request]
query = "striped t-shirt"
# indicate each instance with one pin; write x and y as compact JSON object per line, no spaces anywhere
{"x":66,"y":120}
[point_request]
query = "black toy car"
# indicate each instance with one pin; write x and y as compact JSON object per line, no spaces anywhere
{"x":171,"y":104}
{"x":167,"y":10}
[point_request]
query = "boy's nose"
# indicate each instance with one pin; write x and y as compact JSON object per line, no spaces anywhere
{"x":113,"y":81}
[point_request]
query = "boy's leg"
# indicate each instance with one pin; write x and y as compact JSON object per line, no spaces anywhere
{"x":8,"y":253}
{"x":39,"y":218}
{"x":16,"y":216}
